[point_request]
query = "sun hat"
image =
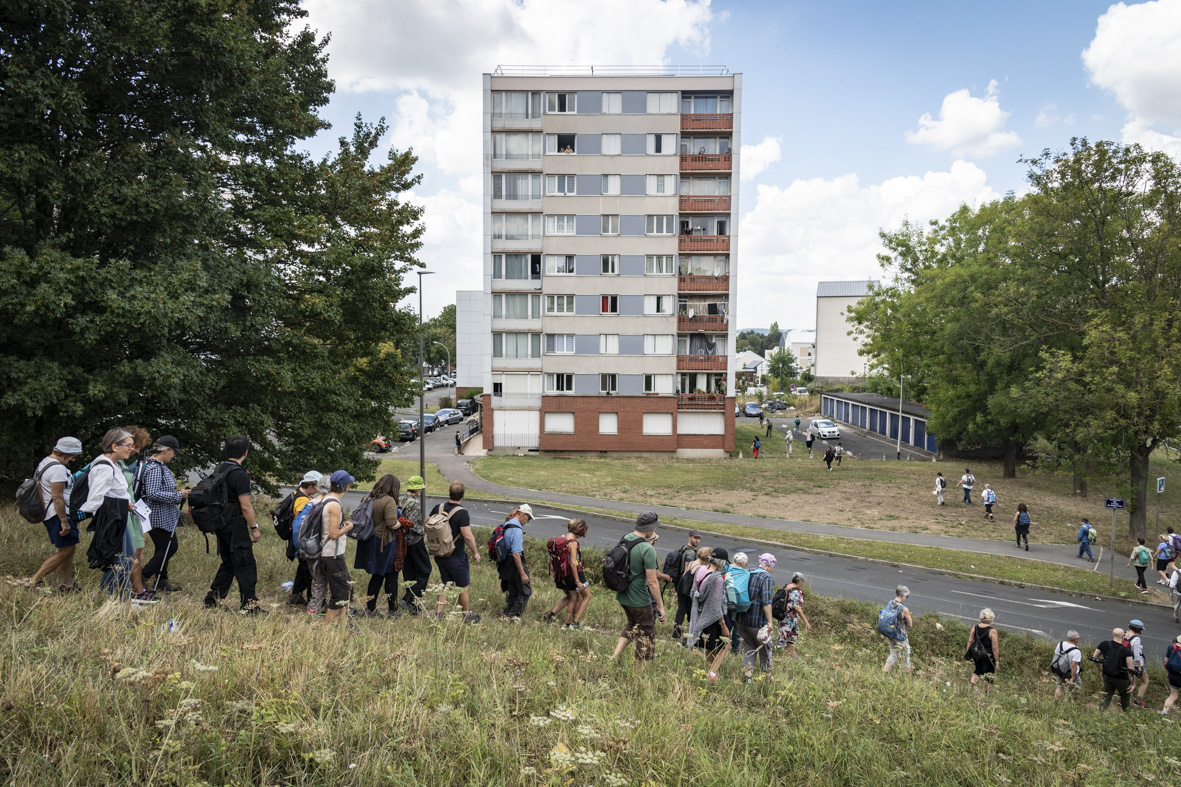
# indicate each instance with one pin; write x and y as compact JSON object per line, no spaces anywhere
{"x":415,"y":483}
{"x":647,"y":522}
{"x":69,"y":446}
{"x":311,"y":477}
{"x":342,"y":478}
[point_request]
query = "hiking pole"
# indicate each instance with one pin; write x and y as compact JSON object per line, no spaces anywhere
{"x":163,"y":563}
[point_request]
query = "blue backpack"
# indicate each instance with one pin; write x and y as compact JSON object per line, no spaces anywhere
{"x":1173,"y":665}
{"x":298,"y":522}
{"x":737,"y":589}
{"x":888,"y":621}
{"x":1023,"y":519}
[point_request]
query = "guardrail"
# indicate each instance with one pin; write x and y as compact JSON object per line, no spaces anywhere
{"x":718,"y":121}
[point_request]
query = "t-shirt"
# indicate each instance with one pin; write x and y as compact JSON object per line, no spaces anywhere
{"x":968,"y":481}
{"x":458,"y":520}
{"x":1162,"y":550}
{"x":1136,"y":643}
{"x":643,"y":557}
{"x":1074,"y":656}
{"x":1115,"y":656}
{"x":237,"y":482}
{"x":332,"y":547}
{"x":56,"y":473}
{"x":1141,"y":555}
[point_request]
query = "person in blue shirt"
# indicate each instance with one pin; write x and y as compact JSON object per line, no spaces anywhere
{"x":514,"y":576}
{"x":1084,"y":540}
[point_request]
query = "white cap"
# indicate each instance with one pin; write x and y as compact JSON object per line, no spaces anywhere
{"x":526,"y":510}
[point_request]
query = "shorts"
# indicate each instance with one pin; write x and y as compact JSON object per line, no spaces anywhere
{"x":1162,"y":565}
{"x":1066,"y":683}
{"x":641,"y":628}
{"x":336,"y":571}
{"x":988,"y":508}
{"x":454,"y":568}
{"x":984,"y":667}
{"x":53,"y":528}
{"x":1174,"y":679}
{"x":712,"y":634}
{"x":567,"y":584}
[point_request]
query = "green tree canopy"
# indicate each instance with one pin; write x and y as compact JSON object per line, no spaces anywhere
{"x":782,"y":367}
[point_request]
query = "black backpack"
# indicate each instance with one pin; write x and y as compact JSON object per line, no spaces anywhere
{"x":81,"y":489}
{"x":210,"y":503}
{"x":779,"y":604}
{"x":310,"y":543}
{"x":283,"y":516}
{"x":28,"y":496}
{"x":674,"y":561}
{"x":617,"y":564}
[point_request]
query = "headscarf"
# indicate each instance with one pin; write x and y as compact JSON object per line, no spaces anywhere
{"x":766,"y":560}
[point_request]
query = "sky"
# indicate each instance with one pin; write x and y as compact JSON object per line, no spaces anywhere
{"x":856,"y":115}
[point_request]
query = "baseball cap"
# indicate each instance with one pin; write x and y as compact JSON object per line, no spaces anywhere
{"x":70,"y":446}
{"x":694,"y":534}
{"x":525,"y":509}
{"x":168,"y":441}
{"x":721,"y":554}
{"x":342,"y":478}
{"x":311,"y":477}
{"x":415,"y":482}
{"x":1136,"y":624}
{"x":647,"y":522}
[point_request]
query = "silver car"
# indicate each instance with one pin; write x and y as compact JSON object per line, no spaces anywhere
{"x":448,"y":417}
{"x":824,"y":429}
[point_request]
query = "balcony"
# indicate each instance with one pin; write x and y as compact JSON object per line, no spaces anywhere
{"x":701,"y":363}
{"x":702,"y":322}
{"x":710,"y":244}
{"x":701,"y":401}
{"x":707,"y":122}
{"x":711,"y":162}
{"x":516,"y":401}
{"x":515,"y":120}
{"x":697,"y":204}
{"x":703,"y":283}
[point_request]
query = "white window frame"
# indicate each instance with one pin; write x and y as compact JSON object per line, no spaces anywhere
{"x":609,"y":264}
{"x":659,"y":343}
{"x":608,"y":344}
{"x":534,"y":180}
{"x":532,"y":308}
{"x":559,"y":304}
{"x":559,"y":383}
{"x":559,"y":264}
{"x":500,"y":267}
{"x":530,"y":111}
{"x":559,"y":423}
{"x":660,"y":265}
{"x":609,"y":224}
{"x":612,"y":304}
{"x":533,"y":345}
{"x":659,"y":383}
{"x":612,"y":103}
{"x":559,"y":224}
{"x":551,"y":144}
{"x":608,"y":423}
{"x":569,"y":102}
{"x":661,"y":185}
{"x":535,"y":147}
{"x":666,"y":142}
{"x":608,"y":382}
{"x":658,"y":424}
{"x":561,"y":185}
{"x":611,"y":185}
{"x":663,"y":103}
{"x":659,"y":224}
{"x":499,"y":232}
{"x":659,"y":304}
{"x":611,"y":144}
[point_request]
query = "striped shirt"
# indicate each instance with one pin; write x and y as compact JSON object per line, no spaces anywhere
{"x":760,"y":590}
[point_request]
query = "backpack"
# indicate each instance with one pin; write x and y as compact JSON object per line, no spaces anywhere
{"x":829,"y":454}
{"x":1060,"y":666}
{"x":685,"y":583}
{"x":559,"y":557}
{"x":977,"y":650}
{"x":1169,"y":552}
{"x":283,"y":516}
{"x":81,"y":488}
{"x":28,"y":496}
{"x":310,"y":544}
{"x":888,"y":621}
{"x":440,"y":541}
{"x":779,"y":604}
{"x":1092,"y":535}
{"x":1143,"y":556}
{"x":1023,"y":519}
{"x":137,"y":482}
{"x":497,"y":546}
{"x":1175,"y":539}
{"x":617,"y":564}
{"x":362,"y":517}
{"x":942,"y":482}
{"x":1173,"y":664}
{"x":210,"y":503}
{"x":674,"y":563}
{"x":989,"y":497}
{"x":737,"y":589}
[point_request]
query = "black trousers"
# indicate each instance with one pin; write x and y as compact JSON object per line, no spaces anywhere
{"x":303,"y":578}
{"x":516,"y":592}
{"x":390,"y":581}
{"x":237,"y":563}
{"x":684,"y":608}
{"x":166,"y":544}
{"x":416,"y":569}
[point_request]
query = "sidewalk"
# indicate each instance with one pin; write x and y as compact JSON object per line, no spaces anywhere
{"x":457,"y":468}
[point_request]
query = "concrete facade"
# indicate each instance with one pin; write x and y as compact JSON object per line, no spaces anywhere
{"x":836,"y":354}
{"x":469,"y":339}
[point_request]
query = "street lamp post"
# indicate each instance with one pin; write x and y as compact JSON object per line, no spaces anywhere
{"x":450,"y":371}
{"x":899,"y":444}
{"x":421,"y":393}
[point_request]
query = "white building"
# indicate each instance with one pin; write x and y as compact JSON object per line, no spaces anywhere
{"x":802,"y":344}
{"x":837,"y":360}
{"x":471,"y":364}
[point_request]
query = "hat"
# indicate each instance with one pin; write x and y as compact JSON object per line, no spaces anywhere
{"x":694,"y":534}
{"x":414,"y":483}
{"x":767,"y":559}
{"x":70,"y":446}
{"x":647,"y":522}
{"x":1135,"y":624}
{"x":342,"y":478}
{"x":168,"y":441}
{"x":721,"y":554}
{"x":311,"y":477}
{"x":525,"y":509}
{"x":1178,"y":639}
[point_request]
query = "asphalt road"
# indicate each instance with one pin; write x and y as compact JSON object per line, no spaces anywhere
{"x":862,"y":445}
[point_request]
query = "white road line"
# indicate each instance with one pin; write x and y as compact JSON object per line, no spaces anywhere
{"x":1039,"y":632}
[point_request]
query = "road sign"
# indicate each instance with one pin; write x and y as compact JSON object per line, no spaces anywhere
{"x":1116,"y":503}
{"x":1160,"y":485}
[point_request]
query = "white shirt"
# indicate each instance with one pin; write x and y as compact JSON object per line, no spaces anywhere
{"x":1074,"y":657}
{"x":55,"y":474}
{"x":1137,"y":650}
{"x":968,"y":481}
{"x":105,"y":480}
{"x":332,"y":547}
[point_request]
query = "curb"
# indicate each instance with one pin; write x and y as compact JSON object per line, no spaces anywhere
{"x":878,"y":561}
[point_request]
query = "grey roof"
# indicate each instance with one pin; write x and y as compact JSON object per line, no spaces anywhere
{"x":884,"y":402}
{"x":844,"y":289}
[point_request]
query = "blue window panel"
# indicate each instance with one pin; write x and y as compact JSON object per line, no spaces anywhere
{"x":588,"y":144}
{"x":587,"y":384}
{"x":631,"y":225}
{"x":631,"y":385}
{"x":631,"y":264}
{"x":631,"y":306}
{"x":587,"y":265}
{"x":634,"y":102}
{"x":587,"y":225}
{"x":586,"y":344}
{"x":920,"y":433}
{"x":590,"y":102}
{"x":589,"y":185}
{"x":906,"y":430}
{"x":633,"y":144}
{"x":587,"y":304}
{"x":931,"y":444}
{"x":632,"y":186}
{"x":893,"y":435}
{"x":631,"y":345}
{"x":873,"y":420}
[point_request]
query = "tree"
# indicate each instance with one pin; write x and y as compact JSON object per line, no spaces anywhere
{"x":774,"y":337}
{"x":782,"y":367}
{"x":441,"y":328}
{"x":171,"y":260}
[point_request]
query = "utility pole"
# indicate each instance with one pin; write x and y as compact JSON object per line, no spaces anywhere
{"x":421,"y":393}
{"x":898,"y":447}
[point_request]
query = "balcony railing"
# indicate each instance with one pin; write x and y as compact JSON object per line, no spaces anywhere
{"x":707,"y":122}
{"x":706,"y":243}
{"x":701,"y":401}
{"x":702,"y":322}
{"x":701,"y":363}
{"x":516,"y":401}
{"x":693,"y":203}
{"x":703,"y":283}
{"x":706,"y":161}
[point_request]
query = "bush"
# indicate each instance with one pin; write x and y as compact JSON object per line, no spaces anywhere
{"x":446,"y":403}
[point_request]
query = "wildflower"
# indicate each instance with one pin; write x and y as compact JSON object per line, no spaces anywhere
{"x":203,"y":667}
{"x":322,"y":756}
{"x":562,"y":713}
{"x":444,"y":708}
{"x":588,"y":756}
{"x":587,"y":731}
{"x":132,"y":675}
{"x":285,"y":728}
{"x":560,"y":758}
{"x":540,"y":721}
{"x":612,"y":779}
{"x":528,"y":770}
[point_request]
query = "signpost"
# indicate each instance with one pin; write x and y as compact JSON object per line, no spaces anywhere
{"x":1160,"y":490}
{"x":1116,"y":504}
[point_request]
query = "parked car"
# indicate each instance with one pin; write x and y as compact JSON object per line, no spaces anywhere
{"x":752,"y":410}
{"x":429,"y":424}
{"x":407,"y":431}
{"x":824,"y":429}
{"x":801,"y":392}
{"x":381,"y":445}
{"x":736,"y":411}
{"x":466,"y":406}
{"x":449,"y":416}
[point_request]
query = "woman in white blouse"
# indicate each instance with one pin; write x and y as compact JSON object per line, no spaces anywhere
{"x":106,"y":480}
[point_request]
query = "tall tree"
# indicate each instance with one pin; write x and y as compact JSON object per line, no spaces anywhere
{"x":441,"y":329}
{"x":781,"y":366}
{"x":170,"y":258}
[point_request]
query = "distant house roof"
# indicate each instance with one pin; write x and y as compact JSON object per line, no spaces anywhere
{"x":844,"y":289}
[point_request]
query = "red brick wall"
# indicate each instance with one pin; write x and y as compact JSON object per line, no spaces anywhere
{"x":486,"y":422}
{"x":586,"y":411}
{"x":728,"y":439}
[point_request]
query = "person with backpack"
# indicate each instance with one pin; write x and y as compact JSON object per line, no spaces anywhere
{"x":160,"y":492}
{"x":967,"y":481}
{"x":1067,"y":661}
{"x":514,"y":574}
{"x":238,"y":533}
{"x":808,"y":439}
{"x":1164,"y":556}
{"x":1175,"y":591}
{"x":756,"y":627}
{"x":1174,"y":541}
{"x":675,"y":563}
{"x":1115,"y":660}
{"x":1173,"y":671}
{"x":416,"y":569}
{"x":793,"y":612}
{"x":988,"y":497}
{"x":52,"y":484}
{"x":638,"y":588}
{"x":790,"y":440}
{"x":334,"y":530}
{"x":940,"y":487}
{"x":565,"y":563}
{"x":983,"y":649}
{"x":1021,"y":524}
{"x":307,"y":493}
{"x":829,"y":454}
{"x":1141,"y":556}
{"x":709,"y":611}
{"x":377,"y":555}
{"x":895,"y":618}
{"x":1135,"y":641}
{"x":106,"y":496}
{"x":1086,"y":537}
{"x":449,"y":548}
{"x":754,"y":448}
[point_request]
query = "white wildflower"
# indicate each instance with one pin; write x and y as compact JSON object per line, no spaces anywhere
{"x":560,"y":758}
{"x":562,"y":713}
{"x":540,"y":721}
{"x":588,"y":756}
{"x":612,"y":779}
{"x":203,"y":667}
{"x":587,"y":731}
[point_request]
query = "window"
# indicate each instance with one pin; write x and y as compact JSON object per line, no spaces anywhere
{"x":608,"y":423}
{"x":560,"y":185}
{"x":662,"y":144}
{"x":658,"y":383}
{"x":560,"y":343}
{"x":559,"y":224}
{"x":658,"y":344}
{"x":662,"y":185}
{"x":610,"y":225}
{"x":608,"y":344}
{"x":612,"y":144}
{"x":658,"y":225}
{"x":516,"y":186}
{"x":612,"y":103}
{"x":705,"y":187}
{"x":560,"y":383}
{"x":559,"y":264}
{"x":658,"y":304}
{"x":561,"y":102}
{"x":609,"y":304}
{"x":658,"y":423}
{"x":559,"y":423}
{"x":659,"y":265}
{"x":516,"y":226}
{"x":609,"y":264}
{"x":662,"y":103}
{"x":683,"y":346}
{"x":722,"y":227}
{"x":516,"y":345}
{"x":498,"y":389}
{"x":516,"y":266}
{"x":611,"y":185}
{"x":559,"y":304}
{"x":516,"y":105}
{"x":516,"y":306}
{"x":608,"y":383}
{"x":706,"y":105}
{"x":561,"y":143}
{"x":508,"y":145}
{"x":706,"y":145}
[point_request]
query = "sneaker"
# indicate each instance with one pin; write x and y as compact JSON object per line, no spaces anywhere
{"x":252,"y":610}
{"x":73,"y":588}
{"x":142,"y":597}
{"x":1144,"y":592}
{"x":677,"y":631}
{"x":168,"y":587}
{"x":575,"y":627}
{"x":1139,"y":703}
{"x":209,"y":603}
{"x":312,"y":612}
{"x":548,"y":617}
{"x":1161,"y":582}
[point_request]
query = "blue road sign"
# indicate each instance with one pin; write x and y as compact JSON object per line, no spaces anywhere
{"x":1160,"y":485}
{"x":1115,"y":502}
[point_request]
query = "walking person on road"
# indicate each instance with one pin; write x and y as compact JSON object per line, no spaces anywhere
{"x":1140,"y":673}
{"x":1021,"y":524}
{"x":1142,"y":557}
{"x":967,"y":481}
{"x":808,"y":438}
{"x":797,"y":424}
{"x":983,"y":649}
{"x":1116,"y":668}
{"x":940,"y":486}
{"x":1175,"y":591}
{"x":1164,"y":556}
{"x":1084,"y":540}
{"x":790,"y":441}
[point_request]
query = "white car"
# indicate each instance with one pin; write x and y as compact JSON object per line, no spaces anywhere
{"x":800,"y":392}
{"x":824,"y":429}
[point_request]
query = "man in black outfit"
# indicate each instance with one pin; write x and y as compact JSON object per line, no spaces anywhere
{"x":1116,"y":669}
{"x":684,"y":603}
{"x":235,"y":541}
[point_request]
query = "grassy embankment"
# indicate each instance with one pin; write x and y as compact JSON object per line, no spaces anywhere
{"x":96,"y":692}
{"x":436,"y":483}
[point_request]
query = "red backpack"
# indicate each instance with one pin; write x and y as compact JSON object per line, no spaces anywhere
{"x":497,"y":547}
{"x":559,"y":557}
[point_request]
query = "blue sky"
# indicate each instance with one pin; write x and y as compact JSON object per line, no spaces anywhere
{"x":856,"y":115}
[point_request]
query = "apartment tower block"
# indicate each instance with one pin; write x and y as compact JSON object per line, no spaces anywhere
{"x":609,"y":259}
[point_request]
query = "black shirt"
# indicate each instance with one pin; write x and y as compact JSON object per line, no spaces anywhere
{"x":459,"y":519}
{"x":1115,"y":658}
{"x":237,"y":483}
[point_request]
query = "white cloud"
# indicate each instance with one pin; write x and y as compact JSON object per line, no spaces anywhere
{"x":1048,"y":116}
{"x":967,"y":125}
{"x":815,"y":230}
{"x":451,"y":246}
{"x":1136,"y":55}
{"x":757,"y":158}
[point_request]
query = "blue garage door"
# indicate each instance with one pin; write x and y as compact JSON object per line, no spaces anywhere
{"x":893,"y":426}
{"x":906,"y":430}
{"x":920,"y":433}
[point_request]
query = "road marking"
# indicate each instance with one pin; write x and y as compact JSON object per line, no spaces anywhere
{"x":1039,"y":632}
{"x":1054,"y":604}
